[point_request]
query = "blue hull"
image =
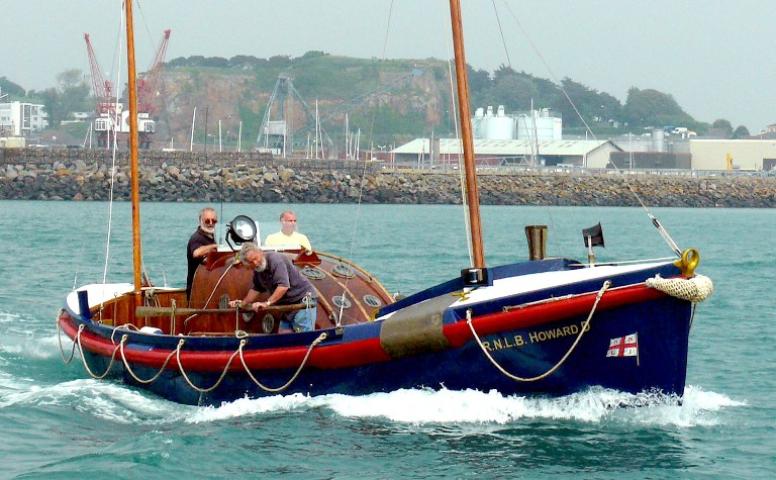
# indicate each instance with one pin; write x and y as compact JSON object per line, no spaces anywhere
{"x":663,"y":326}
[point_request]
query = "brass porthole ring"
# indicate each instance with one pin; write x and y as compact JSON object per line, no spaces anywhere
{"x":344,"y":271}
{"x":341,"y":301}
{"x":313,"y":273}
{"x":372,"y":300}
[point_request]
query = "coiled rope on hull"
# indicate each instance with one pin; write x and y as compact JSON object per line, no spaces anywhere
{"x":690,"y":286}
{"x":695,"y":289}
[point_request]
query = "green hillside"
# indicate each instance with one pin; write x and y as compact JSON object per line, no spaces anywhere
{"x":390,"y":101}
{"x":400,"y":99}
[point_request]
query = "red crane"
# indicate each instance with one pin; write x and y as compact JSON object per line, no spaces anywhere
{"x":103,"y":88}
{"x":148,"y":85}
{"x":106,"y":124}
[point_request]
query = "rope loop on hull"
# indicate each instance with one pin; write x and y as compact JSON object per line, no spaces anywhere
{"x":132,"y":373}
{"x":59,"y":340}
{"x":560,"y":362}
{"x":177,"y":353}
{"x":318,"y":340}
{"x":83,"y":357}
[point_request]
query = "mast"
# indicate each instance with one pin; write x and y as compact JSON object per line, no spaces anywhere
{"x":472,"y":194}
{"x":133,"y":163}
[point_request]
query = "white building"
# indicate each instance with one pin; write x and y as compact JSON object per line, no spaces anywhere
{"x":20,"y":119}
{"x":581,"y":153}
{"x":724,"y":154}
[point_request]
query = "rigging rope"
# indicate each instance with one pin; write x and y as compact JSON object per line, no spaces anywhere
{"x":362,"y":180}
{"x":145,"y":24}
{"x":533,"y":145}
{"x":113,"y":132}
{"x":501,"y":32}
{"x":212,"y":292}
{"x":560,"y":362}
{"x":115,"y":64}
{"x":461,"y":176}
{"x":655,"y":222}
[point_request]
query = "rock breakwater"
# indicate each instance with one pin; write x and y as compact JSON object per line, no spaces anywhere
{"x":269,"y":180}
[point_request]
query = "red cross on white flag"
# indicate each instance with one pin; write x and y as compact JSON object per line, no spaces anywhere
{"x":627,"y":346}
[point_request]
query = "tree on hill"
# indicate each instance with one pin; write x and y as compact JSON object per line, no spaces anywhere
{"x":513,"y":91}
{"x":721,"y":128}
{"x":70,"y":95}
{"x":10,"y":88}
{"x":479,"y":85}
{"x":741,"y":132}
{"x":314,"y":53}
{"x":594,"y":106}
{"x":245,"y":61}
{"x":651,"y":108}
{"x":279,"y":61}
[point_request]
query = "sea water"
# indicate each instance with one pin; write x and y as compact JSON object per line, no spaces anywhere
{"x":56,"y":422}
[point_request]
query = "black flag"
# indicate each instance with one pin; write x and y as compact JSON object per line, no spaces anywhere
{"x":595,"y":234}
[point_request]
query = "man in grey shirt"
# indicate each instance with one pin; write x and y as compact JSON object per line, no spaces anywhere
{"x":275,"y":273}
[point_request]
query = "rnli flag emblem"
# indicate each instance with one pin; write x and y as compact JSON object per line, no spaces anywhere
{"x":627,"y":346}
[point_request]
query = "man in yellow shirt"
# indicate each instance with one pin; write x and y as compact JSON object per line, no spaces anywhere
{"x":288,"y":236}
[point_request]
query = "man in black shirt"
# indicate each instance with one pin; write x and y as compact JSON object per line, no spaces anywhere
{"x":275,"y":273}
{"x":200,"y":244}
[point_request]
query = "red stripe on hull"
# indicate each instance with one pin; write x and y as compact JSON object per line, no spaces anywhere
{"x":364,"y":352}
{"x":325,"y":357}
{"x":548,"y":312}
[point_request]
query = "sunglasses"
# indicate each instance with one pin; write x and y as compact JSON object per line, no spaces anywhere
{"x":210,"y":221}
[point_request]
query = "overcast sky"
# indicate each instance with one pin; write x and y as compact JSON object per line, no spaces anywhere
{"x":716,"y":57}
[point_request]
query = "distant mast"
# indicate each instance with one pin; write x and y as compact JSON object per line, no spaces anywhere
{"x":472,"y":194}
{"x":133,"y":145}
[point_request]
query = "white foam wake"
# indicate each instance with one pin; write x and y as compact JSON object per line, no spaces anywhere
{"x":34,"y":347}
{"x":106,"y":400}
{"x":117,"y":403}
{"x":446,"y":406}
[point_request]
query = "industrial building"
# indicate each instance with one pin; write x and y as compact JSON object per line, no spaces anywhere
{"x":726,"y":154}
{"x":19,"y":119}
{"x":423,"y":153}
{"x":532,"y":138}
{"x":651,"y":160}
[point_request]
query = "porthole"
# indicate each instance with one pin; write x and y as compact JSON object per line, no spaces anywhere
{"x":344,"y":271}
{"x":341,"y":301}
{"x":372,"y":301}
{"x":268,"y":323}
{"x":313,"y":273}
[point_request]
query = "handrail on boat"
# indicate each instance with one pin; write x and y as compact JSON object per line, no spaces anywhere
{"x":144,"y":311}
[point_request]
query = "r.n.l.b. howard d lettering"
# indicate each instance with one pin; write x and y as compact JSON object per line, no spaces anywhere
{"x":535,"y":336}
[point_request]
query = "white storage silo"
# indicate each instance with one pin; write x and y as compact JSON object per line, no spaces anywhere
{"x":500,"y":126}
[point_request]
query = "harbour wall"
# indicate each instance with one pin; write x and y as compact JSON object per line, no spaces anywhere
{"x":252,"y":177}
